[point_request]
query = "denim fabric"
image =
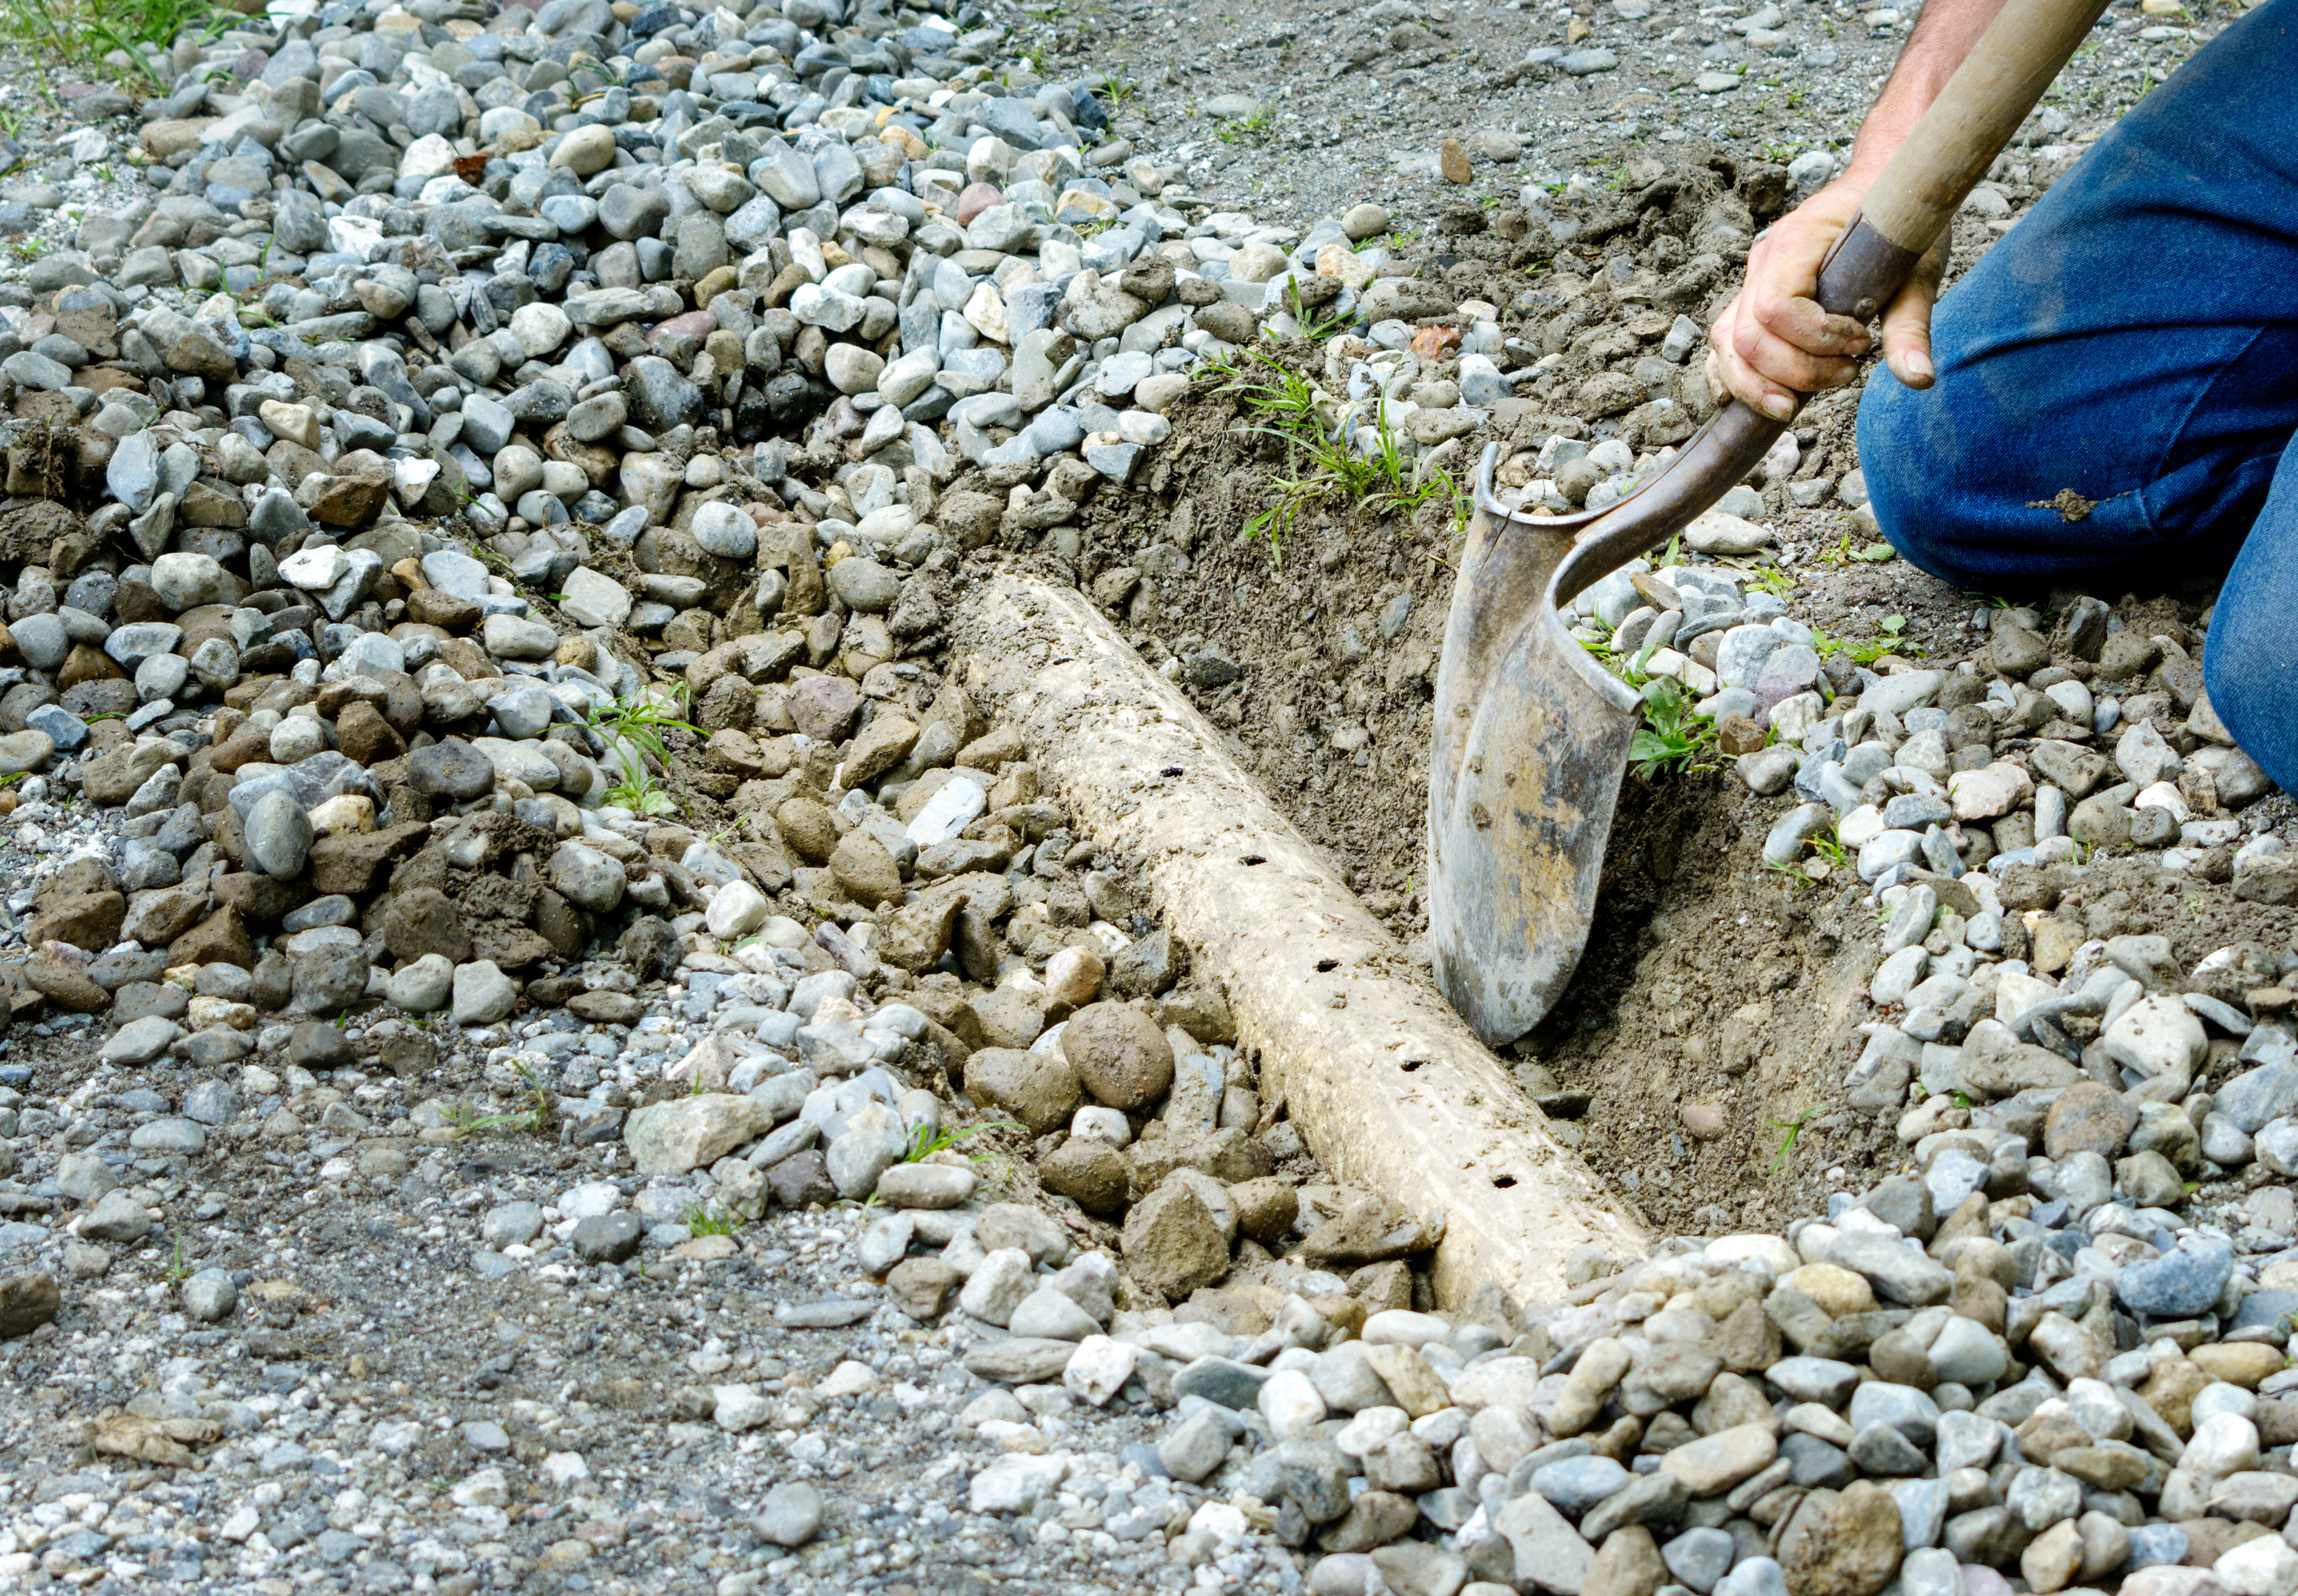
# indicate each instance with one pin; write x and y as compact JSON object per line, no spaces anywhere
{"x":2135,"y":338}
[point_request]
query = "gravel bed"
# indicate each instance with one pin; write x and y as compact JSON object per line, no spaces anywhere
{"x":556,"y":1044}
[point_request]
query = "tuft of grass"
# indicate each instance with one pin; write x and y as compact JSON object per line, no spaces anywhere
{"x":702,"y":1221}
{"x":1673,"y":737}
{"x":1321,"y":464}
{"x":923,"y":1145}
{"x":633,"y":730}
{"x":535,"y":1117}
{"x":1794,"y":1127}
{"x":1889,"y":638}
{"x":84,"y":33}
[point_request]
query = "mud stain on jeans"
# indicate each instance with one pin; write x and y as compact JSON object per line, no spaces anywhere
{"x":2070,"y":505}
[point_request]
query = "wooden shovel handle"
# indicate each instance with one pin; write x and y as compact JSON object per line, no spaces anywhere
{"x":1949,"y":150}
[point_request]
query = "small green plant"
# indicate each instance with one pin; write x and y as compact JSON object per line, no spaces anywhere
{"x":1794,"y":1127}
{"x":924,"y":1145}
{"x":1254,"y":129}
{"x":1889,"y":638}
{"x":1674,"y":737}
{"x":702,"y":1221}
{"x":535,"y":1117}
{"x":633,"y":730}
{"x":1831,"y":849}
{"x":177,"y":1267}
{"x":1791,"y":871}
{"x":1314,"y":326}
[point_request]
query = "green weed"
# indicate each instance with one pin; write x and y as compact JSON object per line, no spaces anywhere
{"x":1673,"y":737}
{"x":633,"y":730}
{"x":1889,"y":638}
{"x":1794,"y":1127}
{"x":1792,"y":872}
{"x":1314,"y":327}
{"x":924,"y":1145}
{"x":700,"y":1220}
{"x":82,"y":33}
{"x":534,"y":1117}
{"x":1381,"y":476}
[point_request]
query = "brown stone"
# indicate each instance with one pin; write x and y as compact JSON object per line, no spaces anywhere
{"x":1171,"y":1242}
{"x":1454,"y":160}
{"x":85,"y":664}
{"x":921,"y":1287}
{"x":349,"y":862}
{"x":1842,"y":1544}
{"x":89,"y":920}
{"x":1265,"y":1208}
{"x":73,"y":879}
{"x":433,"y":606}
{"x":865,"y":870}
{"x":884,"y":743}
{"x":27,"y":1301}
{"x":424,"y":921}
{"x":164,"y":914}
{"x":66,"y":986}
{"x":1628,"y":1563}
{"x":2171,"y":1391}
{"x":2087,"y":1118}
{"x":2245,"y":1364}
{"x":344,"y":500}
{"x":1039,"y":1090}
{"x":807,"y":830}
{"x":1092,"y":1174}
{"x":261,"y":900}
{"x":1119,"y":1053}
{"x":110,"y":780}
{"x":221,"y":938}
{"x":366,"y":735}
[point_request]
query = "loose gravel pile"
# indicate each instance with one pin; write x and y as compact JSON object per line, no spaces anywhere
{"x":559,"y":1044}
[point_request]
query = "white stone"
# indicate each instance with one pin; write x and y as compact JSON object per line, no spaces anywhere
{"x":1290,"y":1403}
{"x":1015,"y":1484}
{"x":736,"y":909}
{"x":1099,"y":1368}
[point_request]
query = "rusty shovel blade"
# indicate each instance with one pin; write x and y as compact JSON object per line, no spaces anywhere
{"x":1532,"y":731}
{"x":1532,"y":734}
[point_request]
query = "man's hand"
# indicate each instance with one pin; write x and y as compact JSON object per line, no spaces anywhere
{"x":1773,"y":342}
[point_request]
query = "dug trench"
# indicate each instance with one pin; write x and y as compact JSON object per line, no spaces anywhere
{"x":1706,"y":980}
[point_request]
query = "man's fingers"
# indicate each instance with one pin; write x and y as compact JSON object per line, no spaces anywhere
{"x":1786,"y":364}
{"x":1800,"y":321}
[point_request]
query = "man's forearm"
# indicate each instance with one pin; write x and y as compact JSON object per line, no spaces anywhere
{"x":1944,"y":35}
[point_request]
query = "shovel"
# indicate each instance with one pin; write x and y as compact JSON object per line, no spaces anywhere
{"x":1532,"y":731}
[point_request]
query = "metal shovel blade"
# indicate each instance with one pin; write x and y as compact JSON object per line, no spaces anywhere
{"x":1532,"y":736}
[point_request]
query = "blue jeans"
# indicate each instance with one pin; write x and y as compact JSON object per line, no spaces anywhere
{"x":2134,"y":338}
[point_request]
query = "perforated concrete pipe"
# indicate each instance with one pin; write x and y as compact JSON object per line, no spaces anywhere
{"x":1385,"y":1081}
